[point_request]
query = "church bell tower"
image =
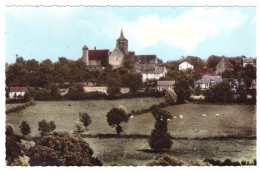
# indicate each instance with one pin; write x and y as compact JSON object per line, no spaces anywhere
{"x":122,"y":43}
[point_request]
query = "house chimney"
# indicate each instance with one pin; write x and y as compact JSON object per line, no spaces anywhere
{"x":94,"y":48}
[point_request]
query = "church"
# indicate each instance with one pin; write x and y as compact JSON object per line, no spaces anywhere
{"x":149,"y":66}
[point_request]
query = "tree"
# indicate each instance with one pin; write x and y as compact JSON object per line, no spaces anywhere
{"x":85,"y":119}
{"x":213,"y":61}
{"x":113,"y":87}
{"x":182,"y":89}
{"x":76,"y":93}
{"x":133,"y":81}
{"x":219,"y":93}
{"x":160,"y":139}
{"x":171,"y":97}
{"x":45,"y":127}
{"x":117,"y":115}
{"x":62,"y":150}
{"x":25,"y":128}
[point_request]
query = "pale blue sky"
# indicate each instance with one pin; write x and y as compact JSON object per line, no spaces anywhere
{"x":168,"y":32}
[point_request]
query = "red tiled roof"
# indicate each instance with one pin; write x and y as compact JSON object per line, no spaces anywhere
{"x":98,"y":54}
{"x":229,"y":63}
{"x":238,"y":61}
{"x":204,"y":70}
{"x":18,"y":89}
{"x":185,"y":61}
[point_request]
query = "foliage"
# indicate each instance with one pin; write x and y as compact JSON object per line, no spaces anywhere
{"x":166,"y":160}
{"x":213,"y":61}
{"x":220,"y":93}
{"x":45,"y":127}
{"x":228,"y":162}
{"x":171,"y":97}
{"x":85,"y":119}
{"x":160,"y":139}
{"x":117,"y":115}
{"x":12,"y":145}
{"x":76,"y":93}
{"x":198,"y":91}
{"x":133,"y":81}
{"x":78,"y":128}
{"x":62,"y":150}
{"x":113,"y":87}
{"x":25,"y":128}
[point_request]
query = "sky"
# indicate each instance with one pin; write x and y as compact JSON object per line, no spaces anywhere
{"x":169,"y":32}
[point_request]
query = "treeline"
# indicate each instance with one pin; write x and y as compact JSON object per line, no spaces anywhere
{"x":65,"y":73}
{"x":77,"y":93}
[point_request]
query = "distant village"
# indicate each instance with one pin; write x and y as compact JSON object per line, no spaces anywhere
{"x":152,"y":69}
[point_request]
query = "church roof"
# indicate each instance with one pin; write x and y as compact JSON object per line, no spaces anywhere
{"x":85,"y":47}
{"x":147,"y":59}
{"x":122,"y":37}
{"x":98,"y":54}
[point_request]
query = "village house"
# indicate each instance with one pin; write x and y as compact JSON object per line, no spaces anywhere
{"x":223,"y":65}
{"x":248,"y":61}
{"x":150,"y":72}
{"x":17,"y":92}
{"x":165,"y":85}
{"x":185,"y":64}
{"x":207,"y":81}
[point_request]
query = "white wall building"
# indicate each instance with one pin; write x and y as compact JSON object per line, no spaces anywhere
{"x":185,"y":65}
{"x":16,"y":92}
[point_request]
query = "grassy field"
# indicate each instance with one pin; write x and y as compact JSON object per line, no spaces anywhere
{"x":66,"y":116}
{"x":233,"y":121}
{"x":129,"y":151}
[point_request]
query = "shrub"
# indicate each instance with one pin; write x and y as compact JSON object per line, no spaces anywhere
{"x":166,"y":160}
{"x":25,"y":128}
{"x":160,"y":139}
{"x":85,"y":119}
{"x":171,"y":97}
{"x":45,"y":127}
{"x":76,"y":93}
{"x":62,"y":150}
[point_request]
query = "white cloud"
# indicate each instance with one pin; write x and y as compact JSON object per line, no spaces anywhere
{"x":185,"y":31}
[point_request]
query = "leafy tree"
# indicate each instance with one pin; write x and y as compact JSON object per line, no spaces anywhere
{"x":182,"y":89}
{"x":45,"y":127}
{"x":133,"y":81}
{"x":213,"y":61}
{"x":128,"y":65}
{"x":160,"y":139}
{"x":113,"y":87}
{"x":85,"y":119}
{"x":25,"y":128}
{"x":62,"y":150}
{"x":76,"y":93}
{"x":116,"y":116}
{"x":220,"y":93}
{"x":12,"y":145}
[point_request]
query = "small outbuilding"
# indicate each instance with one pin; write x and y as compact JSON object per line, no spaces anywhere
{"x":165,"y":85}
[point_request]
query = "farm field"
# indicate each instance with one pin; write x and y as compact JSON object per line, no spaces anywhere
{"x":130,"y":151}
{"x":232,"y":121}
{"x":66,"y":116}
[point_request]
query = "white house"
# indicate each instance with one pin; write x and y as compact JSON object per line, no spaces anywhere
{"x":153,"y":72}
{"x":16,"y":92}
{"x":184,"y":65}
{"x":207,"y":81}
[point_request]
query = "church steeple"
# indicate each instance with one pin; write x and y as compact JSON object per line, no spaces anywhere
{"x":122,"y":43}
